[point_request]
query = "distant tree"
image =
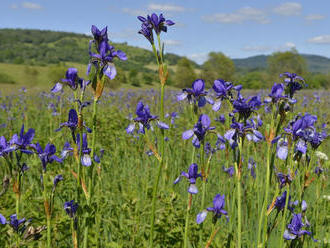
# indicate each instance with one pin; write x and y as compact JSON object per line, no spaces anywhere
{"x":289,"y":61}
{"x":217,"y":66}
{"x":133,"y":78}
{"x":254,"y":80}
{"x":185,"y":73}
{"x":56,"y":72}
{"x":147,"y":78}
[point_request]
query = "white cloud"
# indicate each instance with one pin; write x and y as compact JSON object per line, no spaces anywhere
{"x":199,"y":58}
{"x":134,"y":12}
{"x":266,"y":48}
{"x":172,"y":42}
{"x":257,"y":48}
{"x":322,"y":39}
{"x":29,"y":5}
{"x":314,"y":17}
{"x":288,"y":9}
{"x":286,"y":46}
{"x":166,"y":7}
{"x":241,"y":15}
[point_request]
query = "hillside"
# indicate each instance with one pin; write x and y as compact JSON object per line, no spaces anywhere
{"x":37,"y":47}
{"x":315,"y":63}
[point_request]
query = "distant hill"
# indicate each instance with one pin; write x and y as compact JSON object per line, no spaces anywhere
{"x":37,"y":47}
{"x":315,"y":63}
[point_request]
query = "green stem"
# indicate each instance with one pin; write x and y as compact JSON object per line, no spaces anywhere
{"x":284,"y":215}
{"x":47,"y":210}
{"x":90,"y":172}
{"x":203,"y":190}
{"x":238,"y":185}
{"x":185,"y":244}
{"x":264,"y":211}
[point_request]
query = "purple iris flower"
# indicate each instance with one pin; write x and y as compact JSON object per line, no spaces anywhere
{"x":222,"y":91}
{"x":14,"y":222}
{"x":294,"y":229}
{"x":239,"y":129}
{"x":217,"y":209}
{"x":143,"y":119}
{"x":57,"y":179}
{"x":252,"y":166}
{"x":293,"y":82}
{"x":158,"y":23}
{"x":192,"y":176}
{"x":195,"y":93}
{"x":72,"y":123}
{"x":85,"y":158}
{"x":47,"y":156}
{"x":284,"y":179}
{"x":105,"y":55}
{"x":146,"y":31}
{"x":71,"y":79}
{"x":99,"y":35}
{"x":280,"y":202}
{"x":230,"y":170}
{"x":5,"y":147}
{"x":277,"y":92}
{"x":67,"y":150}
{"x":199,"y":131}
{"x":22,"y":142}
{"x":245,"y":107}
{"x":221,"y":119}
{"x":221,"y":142}
{"x":282,"y":147}
{"x":71,"y":208}
{"x":318,"y":170}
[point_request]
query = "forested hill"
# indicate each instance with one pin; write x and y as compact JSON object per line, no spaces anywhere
{"x":37,"y":47}
{"x":315,"y":63}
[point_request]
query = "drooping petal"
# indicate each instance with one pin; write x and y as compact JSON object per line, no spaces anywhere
{"x":162,"y":125}
{"x":201,"y":101}
{"x":192,"y":189}
{"x":57,"y":87}
{"x":130,"y":128}
{"x":177,"y":180}
{"x":110,"y":71}
{"x":288,"y":236}
{"x":181,"y":96}
{"x":3,"y":220}
{"x":187,"y":134}
{"x":86,"y":160}
{"x":201,"y":217}
{"x":217,"y":105}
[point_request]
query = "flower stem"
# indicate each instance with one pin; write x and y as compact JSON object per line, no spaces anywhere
{"x":47,"y":210}
{"x":238,"y":185}
{"x":284,"y":215}
{"x":203,"y":190}
{"x":214,"y":232}
{"x":185,"y":244}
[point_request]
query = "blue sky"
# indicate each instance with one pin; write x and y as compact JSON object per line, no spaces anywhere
{"x":237,"y":28}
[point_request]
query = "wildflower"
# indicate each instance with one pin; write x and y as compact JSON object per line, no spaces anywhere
{"x":144,"y":118}
{"x":192,"y":175}
{"x":85,"y":158}
{"x":221,"y":119}
{"x":222,"y":91}
{"x":293,"y":82}
{"x":199,"y":131}
{"x":277,"y":92}
{"x":252,"y":166}
{"x":106,"y":53}
{"x":280,"y":202}
{"x":22,"y":142}
{"x":230,"y":170}
{"x":217,"y":209}
{"x":195,"y":93}
{"x":318,"y":170}
{"x":221,"y":142}
{"x":70,"y":208}
{"x":283,"y":179}
{"x":57,"y":178}
{"x":158,"y":24}
{"x":67,"y":150}
{"x":246,"y":106}
{"x":71,"y":79}
{"x":46,"y":156}
{"x":294,"y":229}
{"x":14,"y":222}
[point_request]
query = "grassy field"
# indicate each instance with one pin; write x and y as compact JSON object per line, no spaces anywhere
{"x":122,"y":184}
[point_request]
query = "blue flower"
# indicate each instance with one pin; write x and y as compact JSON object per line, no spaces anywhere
{"x":22,"y":142}
{"x":85,"y":158}
{"x":71,"y":208}
{"x":293,"y":82}
{"x":217,"y":209}
{"x":144,"y":117}
{"x":71,"y":79}
{"x":294,"y":229}
{"x":195,"y":93}
{"x":200,"y":130}
{"x":47,"y":156}
{"x":192,"y":175}
{"x":222,"y":90}
{"x":158,"y":24}
{"x":230,"y":170}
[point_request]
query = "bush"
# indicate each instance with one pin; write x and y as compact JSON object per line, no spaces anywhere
{"x":6,"y":79}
